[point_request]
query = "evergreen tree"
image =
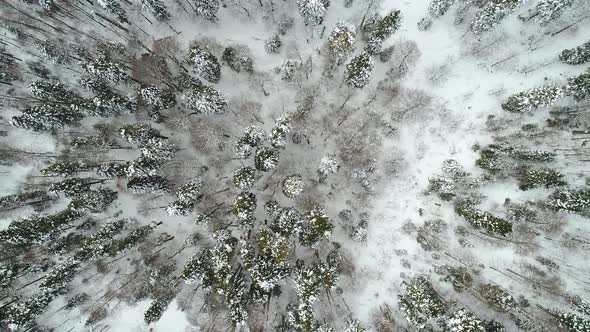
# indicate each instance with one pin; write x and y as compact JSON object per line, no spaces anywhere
{"x":382,"y":29}
{"x":341,"y":42}
{"x":13,"y":201}
{"x":464,"y":321}
{"x":284,"y":221}
{"x":492,"y":14}
{"x":132,"y":240}
{"x":576,"y":56}
{"x":155,"y":311}
{"x":531,"y":99}
{"x":266,"y":158}
{"x":70,"y":187}
{"x":292,"y":185}
{"x":312,"y":11}
{"x":57,"y":280}
{"x":148,"y":184}
{"x":243,"y":208}
{"x":180,"y":208}
{"x":204,"y":99}
{"x":140,"y":134}
{"x":252,"y":137}
{"x":569,"y":200}
{"x":485,"y":220}
{"x":20,"y":316}
{"x":108,"y":103}
{"x":358,"y":70}
{"x":104,"y":68}
{"x":420,"y":302}
{"x":93,"y":201}
{"x":316,"y":227}
{"x":66,"y":168}
{"x":114,"y":7}
{"x":244,"y":177}
{"x":529,"y":178}
{"x":570,"y":321}
{"x":439,"y":7}
{"x":207,"y":9}
{"x":237,"y":62}
{"x":38,"y":229}
{"x":328,"y":165}
{"x":98,"y":244}
{"x":579,"y":86}
{"x":353,"y":325}
{"x":157,"y":8}
{"x":54,"y":92}
{"x":273,"y":44}
{"x":205,"y":63}
{"x":495,"y":158}
{"x":279,"y":132}
{"x":142,"y":166}
{"x":549,"y":10}
{"x":46,"y":117}
{"x":111,"y":170}
{"x":497,"y":297}
{"x":190,"y":191}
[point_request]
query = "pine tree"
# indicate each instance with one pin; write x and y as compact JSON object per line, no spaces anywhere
{"x":464,"y":321}
{"x":312,"y":11}
{"x":420,"y":302}
{"x":13,"y":201}
{"x":341,"y":42}
{"x":98,"y":244}
{"x":148,"y":184}
{"x":190,"y":191}
{"x":279,"y":132}
{"x":273,"y":44}
{"x":108,"y":103}
{"x":485,"y":220}
{"x":529,"y":178}
{"x":112,"y":170}
{"x":292,"y":185}
{"x":207,"y":9}
{"x":244,"y":177}
{"x":531,"y":99}
{"x":54,"y":92}
{"x":157,"y":8}
{"x":549,"y":10}
{"x":142,"y":166}
{"x":354,"y":325}
{"x":266,"y":158}
{"x":439,"y":7}
{"x":69,"y":187}
{"x":180,"y":208}
{"x":497,"y":297}
{"x":236,"y":61}
{"x":66,"y":168}
{"x":46,"y":117}
{"x":139,"y":134}
{"x":569,"y":200}
{"x":204,"y":99}
{"x":57,"y":280}
{"x":93,"y":201}
{"x":104,"y":68}
{"x":252,"y":137}
{"x":114,"y":7}
{"x":20,"y":316}
{"x":328,"y":165}
{"x":243,"y":208}
{"x":492,"y":14}
{"x":132,"y":240}
{"x":317,"y":226}
{"x":570,"y":321}
{"x":358,"y":70}
{"x":38,"y":229}
{"x":579,"y":86}
{"x":155,"y":311}
{"x":205,"y":63}
{"x":382,"y":29}
{"x":576,"y":56}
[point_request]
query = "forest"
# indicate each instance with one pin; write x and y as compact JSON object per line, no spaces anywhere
{"x":294,"y":165}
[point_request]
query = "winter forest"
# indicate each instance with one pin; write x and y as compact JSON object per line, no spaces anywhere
{"x":295,"y":165}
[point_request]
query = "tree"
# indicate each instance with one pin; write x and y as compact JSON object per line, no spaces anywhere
{"x":292,"y":185}
{"x":180,"y":208}
{"x":190,"y":191}
{"x":46,"y":117}
{"x":353,"y":325}
{"x":579,"y":86}
{"x":464,"y":321}
{"x":485,"y":220}
{"x":273,"y":44}
{"x":381,"y":29}
{"x":244,"y":177}
{"x":56,"y":281}
{"x":252,"y":137}
{"x":155,"y":311}
{"x":316,"y":227}
{"x":104,"y":68}
{"x":497,"y":297}
{"x":133,"y":239}
{"x":438,"y":8}
{"x":236,"y":61}
{"x":549,"y":10}
{"x":492,"y":14}
{"x":529,"y":178}
{"x":420,"y":302}
{"x":38,"y":229}
{"x":279,"y":132}
{"x":114,"y":7}
{"x":266,"y":158}
{"x":157,"y":8}
{"x":54,"y":92}
{"x":207,"y":9}
{"x":328,"y":165}
{"x":205,"y":63}
{"x":313,"y":11}
{"x":341,"y":42}
{"x":148,"y":184}
{"x":70,"y":187}
{"x":93,"y":201}
{"x":204,"y":99}
{"x":358,"y":70}
{"x":531,"y":99}
{"x":569,"y":200}
{"x":285,"y":221}
{"x":570,"y":321}
{"x":576,"y":56}
{"x":243,"y":208}
{"x":21,"y":315}
{"x":66,"y":168}
{"x":140,"y":134}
